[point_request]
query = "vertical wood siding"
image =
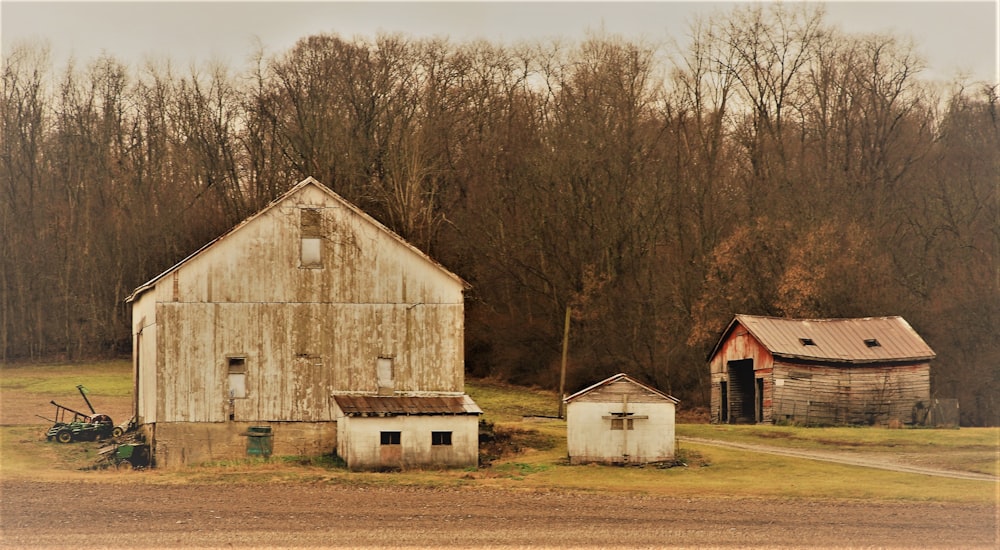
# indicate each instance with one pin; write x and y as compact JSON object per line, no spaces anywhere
{"x":869,"y":394}
{"x":305,"y":332}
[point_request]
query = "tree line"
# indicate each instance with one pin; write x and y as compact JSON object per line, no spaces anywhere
{"x":775,"y":165}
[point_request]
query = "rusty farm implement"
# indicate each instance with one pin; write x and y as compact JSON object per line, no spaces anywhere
{"x":70,"y":425}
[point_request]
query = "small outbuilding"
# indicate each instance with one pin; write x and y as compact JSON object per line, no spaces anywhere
{"x":620,"y":421}
{"x":380,"y":432}
{"x":873,"y":370}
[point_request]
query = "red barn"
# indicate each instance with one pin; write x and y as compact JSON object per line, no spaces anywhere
{"x":819,"y":371}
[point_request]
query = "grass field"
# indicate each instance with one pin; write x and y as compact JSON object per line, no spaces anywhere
{"x":536,"y":452}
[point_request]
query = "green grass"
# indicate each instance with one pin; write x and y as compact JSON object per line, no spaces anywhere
{"x":505,"y":403}
{"x":112,"y":378}
{"x":536,"y":454}
{"x":967,"y":449}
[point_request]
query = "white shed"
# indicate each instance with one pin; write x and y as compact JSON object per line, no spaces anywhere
{"x":382,"y":432}
{"x":620,"y":421}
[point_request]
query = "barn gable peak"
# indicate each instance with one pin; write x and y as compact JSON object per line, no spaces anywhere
{"x":287,"y":197}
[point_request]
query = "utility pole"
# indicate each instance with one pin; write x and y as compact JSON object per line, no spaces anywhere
{"x":562,"y":368}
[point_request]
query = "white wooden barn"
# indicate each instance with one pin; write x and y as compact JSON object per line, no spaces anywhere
{"x":306,"y":300}
{"x":620,"y":421}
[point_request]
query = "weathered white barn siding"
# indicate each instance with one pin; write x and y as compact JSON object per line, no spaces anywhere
{"x":300,"y":331}
{"x":297,"y":355}
{"x":590,"y":436}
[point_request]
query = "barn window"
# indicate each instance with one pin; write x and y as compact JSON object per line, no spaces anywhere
{"x":807,"y":341}
{"x":312,"y":238}
{"x":384,"y":372}
{"x":237,"y":373}
{"x":620,"y":424}
{"x":390,"y":438}
{"x":872,"y":343}
{"x":440,"y":438}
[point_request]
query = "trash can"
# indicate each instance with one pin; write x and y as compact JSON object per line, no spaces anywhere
{"x":259,"y":441}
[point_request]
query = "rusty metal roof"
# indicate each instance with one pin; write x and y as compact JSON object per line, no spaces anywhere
{"x":373,"y":405}
{"x":864,"y":340}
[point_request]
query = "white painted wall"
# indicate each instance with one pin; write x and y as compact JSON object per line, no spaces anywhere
{"x":359,"y":441}
{"x":589,"y":437}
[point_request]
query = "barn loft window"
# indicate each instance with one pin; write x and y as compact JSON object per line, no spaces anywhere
{"x":312,"y":238}
{"x":390,"y":438}
{"x":440,"y":438}
{"x":807,"y":341}
{"x":872,"y":343}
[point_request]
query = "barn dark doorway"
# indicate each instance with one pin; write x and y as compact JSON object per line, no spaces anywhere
{"x":742,"y":390}
{"x":724,"y":402}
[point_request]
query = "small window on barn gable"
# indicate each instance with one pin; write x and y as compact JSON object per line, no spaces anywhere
{"x":390,"y":438}
{"x":807,"y":341}
{"x":311,"y":247}
{"x":872,"y":343}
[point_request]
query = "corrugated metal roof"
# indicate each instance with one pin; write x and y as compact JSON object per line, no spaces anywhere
{"x":615,"y":378}
{"x":372,"y":405}
{"x":864,"y":340}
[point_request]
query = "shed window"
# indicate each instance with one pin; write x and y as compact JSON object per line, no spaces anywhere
{"x":620,"y":424}
{"x":440,"y":438}
{"x":807,"y":341}
{"x":872,"y":343}
{"x":237,"y":374}
{"x":390,"y":438}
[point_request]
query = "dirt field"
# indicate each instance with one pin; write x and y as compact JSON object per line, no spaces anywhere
{"x":109,"y":515}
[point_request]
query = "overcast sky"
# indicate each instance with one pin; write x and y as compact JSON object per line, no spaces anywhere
{"x":954,"y":37}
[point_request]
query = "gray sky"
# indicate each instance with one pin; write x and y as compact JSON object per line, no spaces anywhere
{"x":954,"y":37}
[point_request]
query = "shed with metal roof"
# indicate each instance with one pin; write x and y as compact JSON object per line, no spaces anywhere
{"x":394,"y":432}
{"x":873,"y":370}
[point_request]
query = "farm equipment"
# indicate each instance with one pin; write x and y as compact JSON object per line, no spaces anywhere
{"x":82,"y":427}
{"x":128,"y":455}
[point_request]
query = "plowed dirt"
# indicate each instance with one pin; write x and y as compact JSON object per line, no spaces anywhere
{"x":110,"y":515}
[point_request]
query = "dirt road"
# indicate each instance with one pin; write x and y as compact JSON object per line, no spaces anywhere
{"x":109,"y":515}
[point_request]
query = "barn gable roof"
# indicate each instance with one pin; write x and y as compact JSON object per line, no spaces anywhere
{"x":862,"y":340}
{"x":309,"y":181}
{"x":372,"y":405}
{"x":617,"y":378}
